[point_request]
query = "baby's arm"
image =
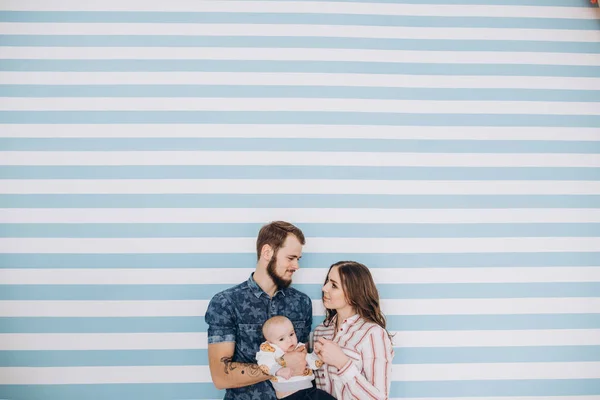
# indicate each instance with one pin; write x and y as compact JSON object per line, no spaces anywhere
{"x":313,"y":361}
{"x":267,"y":361}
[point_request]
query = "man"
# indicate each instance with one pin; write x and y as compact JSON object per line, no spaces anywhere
{"x":235,"y":316}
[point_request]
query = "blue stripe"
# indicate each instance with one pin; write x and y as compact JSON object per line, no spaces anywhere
{"x":434,"y":355}
{"x":302,"y":144}
{"x":296,"y":18}
{"x":346,"y":67}
{"x":170,"y":391}
{"x":404,"y":355}
{"x":386,"y":291}
{"x":282,"y":91}
{"x":328,"y":230}
{"x":95,"y":358}
{"x":132,"y":391}
{"x":309,"y":260}
{"x":295,"y":201}
{"x":492,"y":322}
{"x":395,"y":323}
{"x":298,"y":42}
{"x":293,"y":117}
{"x":298,"y":172}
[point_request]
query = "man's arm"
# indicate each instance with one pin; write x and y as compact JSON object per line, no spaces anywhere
{"x":227,"y":374}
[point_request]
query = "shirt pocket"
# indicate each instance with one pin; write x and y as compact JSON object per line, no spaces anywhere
{"x":250,"y":337}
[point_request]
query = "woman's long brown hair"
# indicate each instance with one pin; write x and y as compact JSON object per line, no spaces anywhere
{"x":361,"y":293}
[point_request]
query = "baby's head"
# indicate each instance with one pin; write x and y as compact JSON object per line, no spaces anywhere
{"x":280,"y":331}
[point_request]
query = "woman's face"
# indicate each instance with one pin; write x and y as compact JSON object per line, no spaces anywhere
{"x":334,"y":297}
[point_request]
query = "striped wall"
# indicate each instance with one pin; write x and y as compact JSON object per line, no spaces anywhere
{"x":453,"y":146}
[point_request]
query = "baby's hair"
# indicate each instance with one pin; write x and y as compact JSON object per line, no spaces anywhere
{"x":276,"y":320}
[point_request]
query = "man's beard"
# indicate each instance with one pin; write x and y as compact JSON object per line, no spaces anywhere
{"x":279,"y":282}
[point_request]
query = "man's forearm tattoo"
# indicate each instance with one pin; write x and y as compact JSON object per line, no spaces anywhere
{"x":229,"y":364}
{"x":253,"y":369}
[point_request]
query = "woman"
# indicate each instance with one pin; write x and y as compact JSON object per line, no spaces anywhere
{"x":353,"y":340}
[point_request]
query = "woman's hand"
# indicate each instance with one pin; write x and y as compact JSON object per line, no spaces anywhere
{"x":330,"y":353}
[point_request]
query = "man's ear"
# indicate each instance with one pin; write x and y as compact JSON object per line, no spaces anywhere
{"x":266,"y":252}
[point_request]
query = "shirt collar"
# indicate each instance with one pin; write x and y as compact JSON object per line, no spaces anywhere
{"x":351,"y":320}
{"x":257,"y":290}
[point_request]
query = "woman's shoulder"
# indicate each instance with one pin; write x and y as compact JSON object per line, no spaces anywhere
{"x":322,"y":328}
{"x":373,"y":329}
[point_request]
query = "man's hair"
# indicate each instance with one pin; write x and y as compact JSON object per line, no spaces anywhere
{"x":276,"y":320}
{"x":275,"y":233}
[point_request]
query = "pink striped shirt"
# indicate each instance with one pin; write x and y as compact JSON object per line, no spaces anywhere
{"x":367,"y":375}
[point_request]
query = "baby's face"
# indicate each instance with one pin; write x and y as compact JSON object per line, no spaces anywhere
{"x":283,"y":335}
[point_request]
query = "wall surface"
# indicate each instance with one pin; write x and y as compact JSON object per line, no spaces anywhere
{"x":453,"y":146}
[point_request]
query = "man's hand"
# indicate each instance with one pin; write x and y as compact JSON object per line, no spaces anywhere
{"x":296,"y":361}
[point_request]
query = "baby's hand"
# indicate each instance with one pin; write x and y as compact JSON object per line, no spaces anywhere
{"x":285,"y":373}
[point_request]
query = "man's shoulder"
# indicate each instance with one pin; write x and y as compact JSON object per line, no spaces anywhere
{"x":228,"y":297}
{"x":232,"y":291}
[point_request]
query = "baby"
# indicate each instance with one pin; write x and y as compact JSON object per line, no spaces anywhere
{"x":281,"y":339}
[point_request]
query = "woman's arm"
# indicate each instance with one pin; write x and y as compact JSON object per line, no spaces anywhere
{"x":375,"y":380}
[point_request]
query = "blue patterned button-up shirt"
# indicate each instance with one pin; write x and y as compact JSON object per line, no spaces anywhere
{"x":237,"y":315}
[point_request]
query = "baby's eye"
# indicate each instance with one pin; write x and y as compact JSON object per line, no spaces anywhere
{"x":281,"y":339}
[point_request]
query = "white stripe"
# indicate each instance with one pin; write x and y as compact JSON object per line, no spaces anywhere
{"x":362,"y":55}
{"x":274,"y":30}
{"x":306,"y":158}
{"x":485,"y":371}
{"x":198,"y":340}
{"x":316,"y":7}
{"x":294,"y":186}
{"x":315,"y":245}
{"x":316,"y":276}
{"x":201,"y":374}
{"x":299,"y":131}
{"x":296,"y":105}
{"x":299,"y":215}
{"x":197,"y":308}
{"x":583,"y":305}
{"x":297,"y":79}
